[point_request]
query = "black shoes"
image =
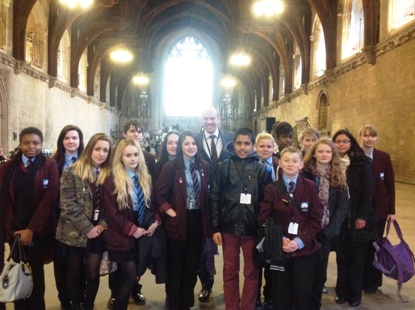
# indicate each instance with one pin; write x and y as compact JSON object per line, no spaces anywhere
{"x":371,"y":291}
{"x":354,"y":303}
{"x":204,"y":295}
{"x":110,"y":303}
{"x":340,"y":300}
{"x":258,"y":304}
{"x":138,"y":298}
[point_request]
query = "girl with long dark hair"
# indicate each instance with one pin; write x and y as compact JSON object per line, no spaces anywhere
{"x":182,"y":197}
{"x":359,"y":227}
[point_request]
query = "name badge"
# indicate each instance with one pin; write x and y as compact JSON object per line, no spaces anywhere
{"x":382,"y":175}
{"x":293,"y":228}
{"x":304,"y":206}
{"x":45,"y":183}
{"x":96,"y":214}
{"x":245,"y":199}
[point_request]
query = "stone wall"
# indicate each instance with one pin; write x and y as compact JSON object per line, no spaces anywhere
{"x":382,"y":94}
{"x":30,"y":101}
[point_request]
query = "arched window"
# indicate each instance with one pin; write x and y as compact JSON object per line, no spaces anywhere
{"x":297,"y":67}
{"x":318,"y":49}
{"x":353,"y":28}
{"x":401,"y":12}
{"x":282,"y":82}
{"x":83,"y":66}
{"x":3,"y":24}
{"x":188,"y":78}
{"x":36,"y":38}
{"x":323,"y":112}
{"x":64,"y":57}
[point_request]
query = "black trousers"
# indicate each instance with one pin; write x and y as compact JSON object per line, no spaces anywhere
{"x":34,"y":255}
{"x":350,"y":258}
{"x":59,"y":270}
{"x":320,"y":273}
{"x":292,"y":288}
{"x":372,"y":276}
{"x":183,"y":260}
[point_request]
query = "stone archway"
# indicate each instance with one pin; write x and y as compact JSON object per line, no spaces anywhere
{"x":323,"y":105}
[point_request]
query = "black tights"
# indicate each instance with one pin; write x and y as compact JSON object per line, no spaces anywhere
{"x":83,"y":283}
{"x":92,"y":264}
{"x":75,"y":279}
{"x":126,"y":279}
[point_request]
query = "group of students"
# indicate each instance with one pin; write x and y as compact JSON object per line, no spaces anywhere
{"x":202,"y":192}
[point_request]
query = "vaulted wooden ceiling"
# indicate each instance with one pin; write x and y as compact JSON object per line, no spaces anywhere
{"x":145,"y":23}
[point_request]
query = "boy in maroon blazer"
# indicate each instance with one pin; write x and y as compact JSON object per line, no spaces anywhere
{"x":293,"y":202}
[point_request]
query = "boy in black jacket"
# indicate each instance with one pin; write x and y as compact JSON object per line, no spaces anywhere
{"x":235,"y":195}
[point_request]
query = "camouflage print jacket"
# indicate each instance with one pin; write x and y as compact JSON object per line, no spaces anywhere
{"x":77,"y":210}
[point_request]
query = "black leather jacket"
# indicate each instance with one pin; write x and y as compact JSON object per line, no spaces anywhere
{"x":235,"y":176}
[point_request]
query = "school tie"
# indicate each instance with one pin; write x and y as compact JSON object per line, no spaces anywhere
{"x":28,"y":163}
{"x":73,"y":159}
{"x":196,"y":187}
{"x":214,"y":153}
{"x":271,"y":167}
{"x":291,"y":187}
{"x":140,"y":200}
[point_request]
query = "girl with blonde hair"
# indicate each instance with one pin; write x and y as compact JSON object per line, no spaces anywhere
{"x":129,"y":216}
{"x":322,"y":165}
{"x":82,"y":222}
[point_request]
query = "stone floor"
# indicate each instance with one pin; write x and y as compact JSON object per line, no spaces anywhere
{"x":386,"y":298}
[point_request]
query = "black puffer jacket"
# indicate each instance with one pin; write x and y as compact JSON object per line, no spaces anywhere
{"x":235,"y":176}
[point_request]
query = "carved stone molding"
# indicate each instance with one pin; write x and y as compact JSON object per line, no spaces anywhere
{"x":52,"y":82}
{"x":400,"y":38}
{"x":74,"y":91}
{"x":369,"y":54}
{"x":18,"y":66}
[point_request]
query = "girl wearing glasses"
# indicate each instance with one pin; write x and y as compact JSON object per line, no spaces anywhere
{"x":359,"y":227}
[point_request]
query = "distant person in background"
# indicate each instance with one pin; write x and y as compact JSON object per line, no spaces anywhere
{"x":3,"y":157}
{"x":307,"y":138}
{"x":383,"y":200}
{"x":69,"y":148}
{"x":29,"y":188}
{"x":212,"y":143}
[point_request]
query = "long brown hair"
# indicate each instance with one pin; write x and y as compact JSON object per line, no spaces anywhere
{"x":338,"y":177}
{"x":84,"y":167}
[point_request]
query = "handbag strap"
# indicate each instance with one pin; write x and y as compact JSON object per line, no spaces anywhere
{"x":397,"y":229}
{"x":22,"y":253}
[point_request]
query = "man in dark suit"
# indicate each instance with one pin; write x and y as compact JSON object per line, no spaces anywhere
{"x":134,"y":130}
{"x":212,"y":143}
